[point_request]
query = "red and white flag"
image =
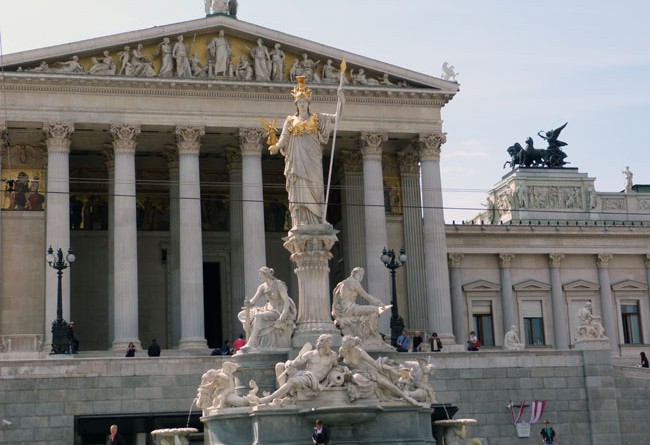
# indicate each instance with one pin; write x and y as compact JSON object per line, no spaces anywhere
{"x":516,"y":418}
{"x":537,"y":409}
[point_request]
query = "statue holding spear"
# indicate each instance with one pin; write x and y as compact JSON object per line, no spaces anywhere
{"x":301,"y":143}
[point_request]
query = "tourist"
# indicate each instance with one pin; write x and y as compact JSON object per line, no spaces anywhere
{"x":403,"y":342}
{"x":548,"y":434}
{"x":417,"y":342}
{"x":226,"y":349}
{"x":320,"y":436}
{"x":644,"y":361}
{"x":114,"y":438}
{"x":239,"y":343}
{"x":435,"y":343}
{"x":130,"y":350}
{"x":154,"y":349}
{"x":74,"y":341}
{"x":473,"y":344}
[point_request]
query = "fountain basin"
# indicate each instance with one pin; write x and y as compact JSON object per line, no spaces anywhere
{"x":173,"y":436}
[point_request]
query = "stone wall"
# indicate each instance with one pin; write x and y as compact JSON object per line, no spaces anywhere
{"x":588,"y":399}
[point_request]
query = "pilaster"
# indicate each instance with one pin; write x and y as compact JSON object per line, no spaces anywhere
{"x":560,"y":310}
{"x":458,"y":304}
{"x":606,"y":302}
{"x":507,"y":297}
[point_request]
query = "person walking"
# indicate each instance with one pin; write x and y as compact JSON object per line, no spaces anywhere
{"x":548,"y":434}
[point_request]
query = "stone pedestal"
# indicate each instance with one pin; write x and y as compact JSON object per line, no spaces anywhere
{"x":258,"y":366}
{"x":591,"y":344}
{"x":310,"y":252}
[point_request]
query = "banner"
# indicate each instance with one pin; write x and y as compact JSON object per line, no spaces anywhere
{"x":537,"y":409}
{"x":516,"y":418}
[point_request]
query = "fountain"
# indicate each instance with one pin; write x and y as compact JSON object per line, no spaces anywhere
{"x":173,"y":436}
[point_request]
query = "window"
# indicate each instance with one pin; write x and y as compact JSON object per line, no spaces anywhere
{"x":533,"y":322}
{"x":483,"y":321}
{"x":631,"y":322}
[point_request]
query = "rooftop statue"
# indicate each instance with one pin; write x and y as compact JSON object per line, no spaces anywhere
{"x":550,"y":157}
{"x":628,"y":179}
{"x":448,"y":72}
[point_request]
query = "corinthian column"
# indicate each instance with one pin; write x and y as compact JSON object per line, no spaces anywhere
{"x":409,"y":165}
{"x":606,"y":302}
{"x":377,"y":277}
{"x":173,"y":265}
{"x":560,"y":310}
{"x":109,"y":159}
{"x":190,"y":238}
{"x":57,"y":216}
{"x":237,"y":271}
{"x":125,"y":238}
{"x":435,"y":244}
{"x":251,"y":140}
{"x":352,"y":209}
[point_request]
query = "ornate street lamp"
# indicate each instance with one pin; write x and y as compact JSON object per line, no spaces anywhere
{"x":393,"y":263}
{"x":60,"y":340}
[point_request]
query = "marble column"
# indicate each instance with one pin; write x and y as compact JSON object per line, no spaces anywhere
{"x":560,"y":308}
{"x":458,"y":303}
{"x":608,"y":312}
{"x":508,"y":304}
{"x":109,"y":159}
{"x":353,"y":241}
{"x":3,"y":135}
{"x":125,"y":245}
{"x":173,"y":266}
{"x":435,"y":243}
{"x":57,"y":217}
{"x":251,"y":140}
{"x":234,"y":165}
{"x":190,"y":238}
{"x":377,"y":276}
{"x":409,"y":168}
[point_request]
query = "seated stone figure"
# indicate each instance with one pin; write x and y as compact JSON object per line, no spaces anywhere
{"x":217,"y":390}
{"x":271,"y":324}
{"x":511,"y":340}
{"x":355,"y":319}
{"x":309,"y":381}
{"x":589,"y":325}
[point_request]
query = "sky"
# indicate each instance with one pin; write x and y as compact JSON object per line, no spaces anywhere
{"x":524,"y":66}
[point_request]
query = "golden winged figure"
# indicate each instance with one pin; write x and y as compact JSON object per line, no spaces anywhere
{"x":272,"y":130}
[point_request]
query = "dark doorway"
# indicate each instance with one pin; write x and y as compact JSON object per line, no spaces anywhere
{"x":212,"y":304}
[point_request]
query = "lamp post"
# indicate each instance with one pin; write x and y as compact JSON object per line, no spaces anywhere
{"x":393,"y":263}
{"x":60,"y":341}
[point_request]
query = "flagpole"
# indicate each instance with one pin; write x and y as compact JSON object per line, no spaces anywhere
{"x":336,"y":125}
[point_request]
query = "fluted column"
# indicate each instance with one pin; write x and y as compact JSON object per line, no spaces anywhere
{"x":190,"y":238}
{"x":251,"y":140}
{"x":606,"y":302}
{"x":377,"y":276}
{"x":435,"y":244}
{"x":352,"y":209}
{"x":458,"y":304}
{"x":57,"y":216}
{"x":109,"y":159}
{"x":237,"y":271}
{"x":173,"y":266}
{"x":560,"y":310}
{"x":125,"y":245}
{"x":507,"y":297}
{"x":409,"y":167}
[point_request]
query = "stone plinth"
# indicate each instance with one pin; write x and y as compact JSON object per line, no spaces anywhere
{"x":591,"y":344}
{"x":310,"y":248}
{"x":258,"y":366}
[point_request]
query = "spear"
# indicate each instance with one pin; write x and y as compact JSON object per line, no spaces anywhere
{"x":336,"y":124}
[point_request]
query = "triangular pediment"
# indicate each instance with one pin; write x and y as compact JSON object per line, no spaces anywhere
{"x":531,"y":285}
{"x":629,"y":285}
{"x":83,"y":58}
{"x":482,"y":286}
{"x":581,"y":285}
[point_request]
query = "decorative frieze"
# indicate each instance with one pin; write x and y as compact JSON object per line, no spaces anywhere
{"x":429,"y":145}
{"x":124,"y":137}
{"x":58,"y":136}
{"x":189,"y":139}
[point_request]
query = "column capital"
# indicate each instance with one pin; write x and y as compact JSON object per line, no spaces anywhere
{"x":371,"y":143}
{"x":505,"y":259}
{"x":409,"y":162}
{"x":233,"y":160}
{"x":251,"y":140}
{"x":454,"y":259}
{"x":171,"y":155}
{"x":647,"y":260}
{"x":109,"y":158}
{"x":554,"y":259}
{"x":352,"y":161}
{"x":188,"y":139}
{"x":124,"y":136}
{"x":603,"y":259}
{"x":429,"y":145}
{"x":58,"y":136}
